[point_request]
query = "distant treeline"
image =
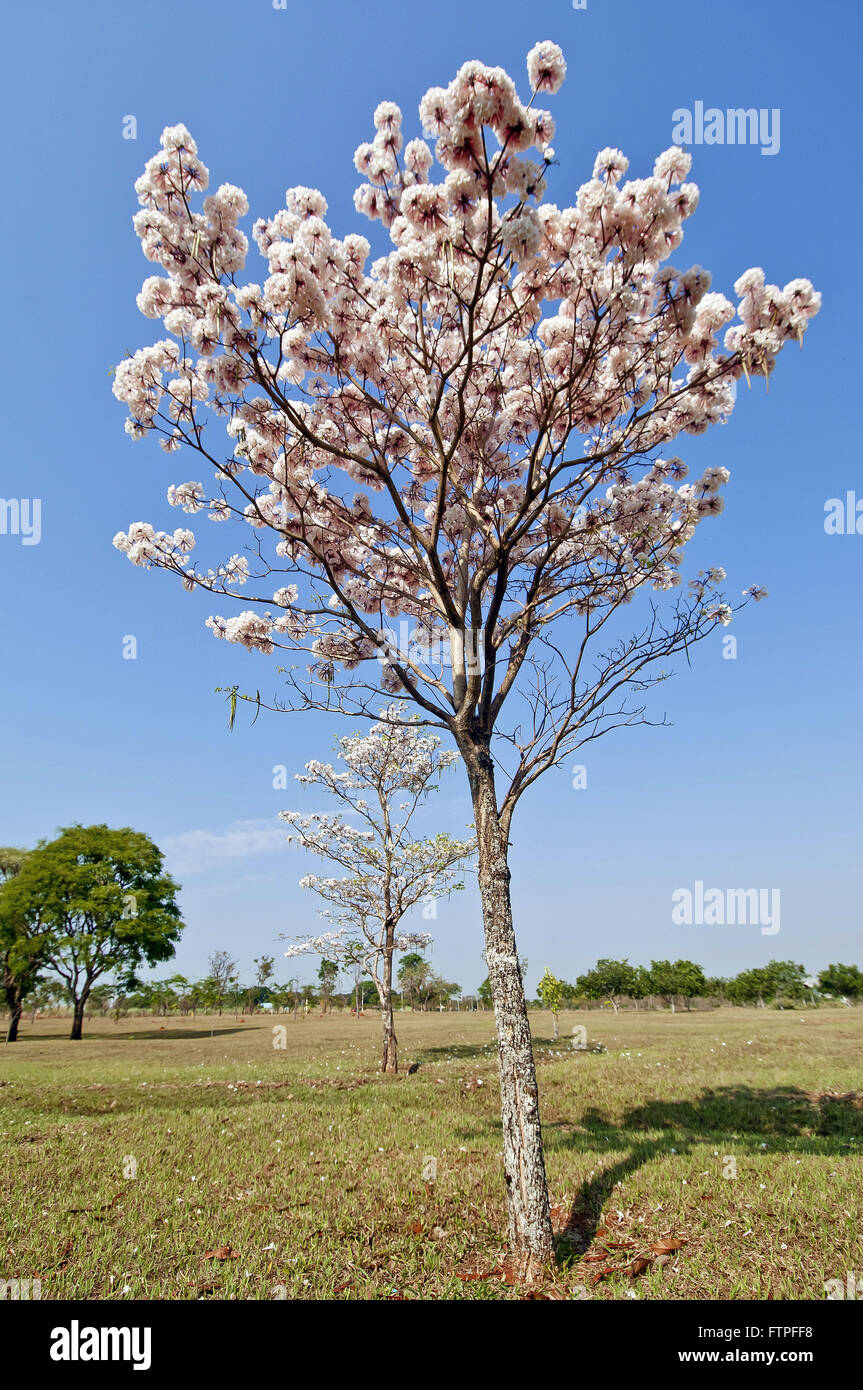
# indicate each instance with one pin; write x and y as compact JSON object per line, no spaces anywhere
{"x":611,"y":984}
{"x":780,"y":984}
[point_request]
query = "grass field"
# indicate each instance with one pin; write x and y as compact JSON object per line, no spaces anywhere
{"x":299,"y":1172}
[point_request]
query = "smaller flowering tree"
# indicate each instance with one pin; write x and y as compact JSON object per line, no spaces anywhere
{"x":388,"y":776}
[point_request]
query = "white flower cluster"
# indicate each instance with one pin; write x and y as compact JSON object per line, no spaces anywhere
{"x":533,"y":425}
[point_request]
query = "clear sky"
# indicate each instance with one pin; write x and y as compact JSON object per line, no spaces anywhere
{"x":756,"y":784}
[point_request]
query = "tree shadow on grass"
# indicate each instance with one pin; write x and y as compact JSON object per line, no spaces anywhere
{"x":545,"y":1050}
{"x":460,"y":1052}
{"x":739,"y":1120}
{"x":157,"y":1035}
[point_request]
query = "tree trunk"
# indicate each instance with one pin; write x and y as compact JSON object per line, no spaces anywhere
{"x":530,"y":1233}
{"x":15,"y":1005}
{"x":78,"y":1020}
{"x":556,"y":1028}
{"x":390,"y":1056}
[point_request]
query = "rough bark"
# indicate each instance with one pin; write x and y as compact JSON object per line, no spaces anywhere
{"x":530,"y":1233}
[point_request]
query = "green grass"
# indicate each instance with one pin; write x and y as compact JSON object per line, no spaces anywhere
{"x":308,"y":1165}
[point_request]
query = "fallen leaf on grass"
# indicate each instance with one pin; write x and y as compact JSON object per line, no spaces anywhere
{"x":506,"y":1272}
{"x":667,"y":1245}
{"x":222,"y":1252}
{"x":416,"y":1228}
{"x":638,"y":1266}
{"x":601,"y":1273}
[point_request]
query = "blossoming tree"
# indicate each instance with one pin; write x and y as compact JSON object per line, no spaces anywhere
{"x":388,"y":872}
{"x":469,"y":436}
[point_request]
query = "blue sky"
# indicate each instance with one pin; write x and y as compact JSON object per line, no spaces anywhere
{"x":757,"y":782}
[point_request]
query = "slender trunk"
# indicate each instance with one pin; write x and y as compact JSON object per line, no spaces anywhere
{"x":390,"y":1055}
{"x":556,"y":1028}
{"x":530,"y":1232}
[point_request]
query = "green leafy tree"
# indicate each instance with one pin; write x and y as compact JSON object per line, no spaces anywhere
{"x":788,"y":982}
{"x":22,"y":943}
{"x":550,"y":992}
{"x":778,"y":980}
{"x":102,"y":903}
{"x":691,"y":981}
{"x":175,"y":994}
{"x":846,"y":981}
{"x":102,"y":999}
{"x":46,"y":994}
{"x":208,"y":994}
{"x":283,"y":997}
{"x":673,"y":980}
{"x":640,"y":986}
{"x":442,"y":992}
{"x":610,"y":980}
{"x":414,"y":977}
{"x":328,"y":974}
{"x":749,"y":987}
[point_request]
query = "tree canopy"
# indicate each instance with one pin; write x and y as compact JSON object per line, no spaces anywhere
{"x":100,"y":901}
